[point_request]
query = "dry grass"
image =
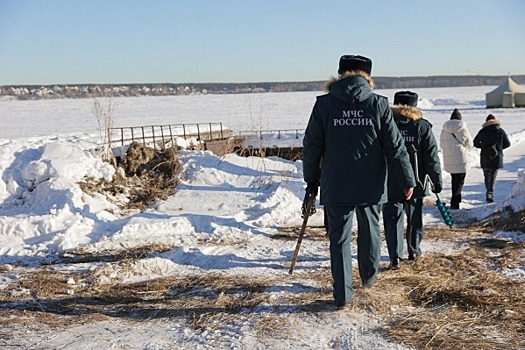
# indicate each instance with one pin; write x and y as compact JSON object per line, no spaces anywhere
{"x":456,"y":302}
{"x":80,"y":255}
{"x":440,"y":301}
{"x":199,"y":298}
{"x":444,"y":232}
{"x":313,"y":233}
{"x":144,"y":176}
{"x":461,"y":301}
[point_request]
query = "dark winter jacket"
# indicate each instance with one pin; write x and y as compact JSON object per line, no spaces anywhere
{"x":422,"y":148}
{"x":490,"y":134}
{"x":350,"y":137}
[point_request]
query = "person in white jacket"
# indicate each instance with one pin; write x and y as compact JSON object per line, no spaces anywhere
{"x":455,"y":142}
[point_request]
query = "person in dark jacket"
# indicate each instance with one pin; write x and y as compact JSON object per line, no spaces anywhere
{"x":423,"y":150}
{"x":349,"y":140}
{"x":491,"y":134}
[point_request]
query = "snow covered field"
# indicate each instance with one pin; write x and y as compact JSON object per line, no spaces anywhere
{"x":220,"y":221}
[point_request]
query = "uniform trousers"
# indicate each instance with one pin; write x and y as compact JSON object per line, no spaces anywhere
{"x":393,"y":221}
{"x":340,"y":220}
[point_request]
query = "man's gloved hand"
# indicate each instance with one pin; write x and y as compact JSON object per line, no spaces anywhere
{"x":408,"y":193}
{"x":436,"y":188}
{"x":312,"y":188}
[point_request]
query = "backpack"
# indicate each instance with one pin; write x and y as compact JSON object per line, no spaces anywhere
{"x":491,"y":152}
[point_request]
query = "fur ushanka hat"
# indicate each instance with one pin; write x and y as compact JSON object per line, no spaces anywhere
{"x":407,"y":98}
{"x":355,"y":62}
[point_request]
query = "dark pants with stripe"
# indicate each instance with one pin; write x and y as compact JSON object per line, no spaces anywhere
{"x":340,"y":219}
{"x":393,"y":221}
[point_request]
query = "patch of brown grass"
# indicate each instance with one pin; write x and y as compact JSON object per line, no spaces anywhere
{"x":200,"y":298}
{"x":446,"y":233}
{"x":506,"y":220}
{"x":313,"y":233}
{"x":144,"y":176}
{"x":12,"y":321}
{"x":454,"y":302}
{"x":81,"y":255}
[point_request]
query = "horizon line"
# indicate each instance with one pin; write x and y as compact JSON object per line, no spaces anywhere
{"x":269,"y":82}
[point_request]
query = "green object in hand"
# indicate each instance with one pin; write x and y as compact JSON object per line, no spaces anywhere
{"x":444,"y":212}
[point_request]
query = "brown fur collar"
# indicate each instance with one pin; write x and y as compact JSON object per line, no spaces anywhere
{"x":491,"y":122}
{"x":408,"y":112}
{"x":353,"y":73}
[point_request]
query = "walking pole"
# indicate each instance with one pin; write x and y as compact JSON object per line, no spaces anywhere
{"x":309,"y":206}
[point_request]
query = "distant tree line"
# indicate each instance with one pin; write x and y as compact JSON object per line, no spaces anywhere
{"x":443,"y":81}
{"x":166,"y":89}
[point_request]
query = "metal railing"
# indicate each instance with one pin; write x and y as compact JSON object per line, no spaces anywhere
{"x":278,"y":132}
{"x":160,"y":135}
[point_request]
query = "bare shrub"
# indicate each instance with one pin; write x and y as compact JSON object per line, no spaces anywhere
{"x":104,"y":117}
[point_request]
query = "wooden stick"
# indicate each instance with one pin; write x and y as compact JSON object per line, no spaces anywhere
{"x":309,"y":206}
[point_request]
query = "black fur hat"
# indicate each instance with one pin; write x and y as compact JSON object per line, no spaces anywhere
{"x":408,"y":98}
{"x":355,"y":62}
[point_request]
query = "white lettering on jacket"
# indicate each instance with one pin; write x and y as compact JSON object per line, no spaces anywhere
{"x":353,"y":117}
{"x":353,"y":113}
{"x":407,"y":137}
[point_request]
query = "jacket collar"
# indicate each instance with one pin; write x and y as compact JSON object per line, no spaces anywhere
{"x":354,"y":73}
{"x":408,"y":112}
{"x":492,"y":122}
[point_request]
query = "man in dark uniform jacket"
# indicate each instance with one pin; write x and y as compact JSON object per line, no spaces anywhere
{"x":424,"y":156}
{"x":350,"y":138}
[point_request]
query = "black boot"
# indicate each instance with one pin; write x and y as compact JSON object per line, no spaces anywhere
{"x":454,"y":202}
{"x":394,"y":264}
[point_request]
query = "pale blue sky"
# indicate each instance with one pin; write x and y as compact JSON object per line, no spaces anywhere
{"x":182,"y":41}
